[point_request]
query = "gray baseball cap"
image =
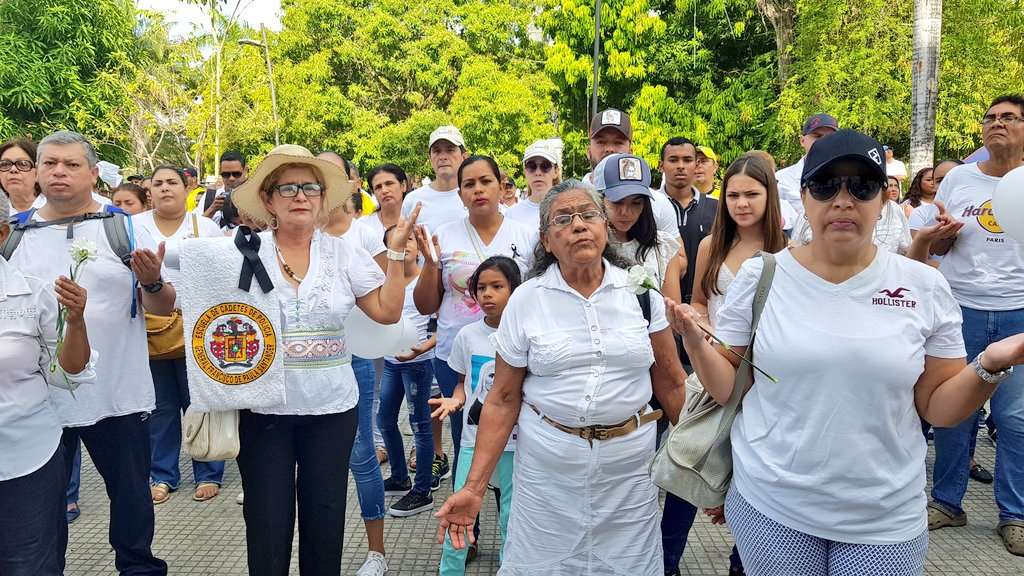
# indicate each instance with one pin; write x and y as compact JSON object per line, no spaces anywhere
{"x":619,"y":176}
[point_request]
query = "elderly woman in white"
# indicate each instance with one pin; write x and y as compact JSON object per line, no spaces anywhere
{"x":33,"y":528}
{"x":296,"y":455}
{"x":577,"y":364}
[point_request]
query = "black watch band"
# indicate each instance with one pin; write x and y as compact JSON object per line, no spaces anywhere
{"x":154,"y":287}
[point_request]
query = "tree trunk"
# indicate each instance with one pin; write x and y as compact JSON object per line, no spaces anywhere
{"x":782,"y":15}
{"x":925,"y":76}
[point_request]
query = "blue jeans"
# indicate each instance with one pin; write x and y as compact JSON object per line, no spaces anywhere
{"x":363,"y":461}
{"x":76,"y":477}
{"x":447,"y":380}
{"x":952,"y":445}
{"x":412,"y":382}
{"x":171,"y":383}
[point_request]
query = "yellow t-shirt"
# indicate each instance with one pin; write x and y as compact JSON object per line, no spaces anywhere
{"x":193,"y":198}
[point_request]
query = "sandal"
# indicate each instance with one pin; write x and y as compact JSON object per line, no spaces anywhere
{"x":203,"y":495}
{"x":1012,"y":532}
{"x":160,"y":492}
{"x":72,"y":513}
{"x":940,"y":517}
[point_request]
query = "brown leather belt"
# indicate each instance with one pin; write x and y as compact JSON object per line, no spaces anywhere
{"x":591,"y":433}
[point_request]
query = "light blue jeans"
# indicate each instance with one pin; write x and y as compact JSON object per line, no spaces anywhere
{"x":363,"y":463}
{"x":952,"y":445}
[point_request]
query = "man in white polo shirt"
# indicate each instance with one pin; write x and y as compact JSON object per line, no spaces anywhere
{"x":110,"y":417}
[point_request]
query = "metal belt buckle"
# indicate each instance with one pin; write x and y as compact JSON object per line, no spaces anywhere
{"x":601,"y":433}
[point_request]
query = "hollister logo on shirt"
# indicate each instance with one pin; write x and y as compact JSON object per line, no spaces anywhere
{"x":986,"y":217}
{"x":894,"y":298}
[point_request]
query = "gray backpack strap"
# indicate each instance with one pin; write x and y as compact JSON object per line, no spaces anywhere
{"x":116,"y":229}
{"x":12,"y":242}
{"x":744,"y":373}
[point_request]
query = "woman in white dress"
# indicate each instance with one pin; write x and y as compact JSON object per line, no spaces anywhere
{"x":296,"y":455}
{"x":577,"y":363}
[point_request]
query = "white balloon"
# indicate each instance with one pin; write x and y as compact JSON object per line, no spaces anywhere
{"x":1008,"y":203}
{"x":368,"y":339}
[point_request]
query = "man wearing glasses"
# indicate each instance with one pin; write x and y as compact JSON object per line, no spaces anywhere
{"x":234,"y":171}
{"x":985,"y":269}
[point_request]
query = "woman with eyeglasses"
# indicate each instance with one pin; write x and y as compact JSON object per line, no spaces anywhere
{"x":577,"y":363}
{"x":540,"y":166}
{"x":18,"y":173}
{"x":828,"y":461}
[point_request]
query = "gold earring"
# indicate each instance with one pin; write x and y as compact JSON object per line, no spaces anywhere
{"x":273,"y":222}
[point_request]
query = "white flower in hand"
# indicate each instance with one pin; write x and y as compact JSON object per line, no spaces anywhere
{"x":639,"y":281}
{"x":83,"y":250}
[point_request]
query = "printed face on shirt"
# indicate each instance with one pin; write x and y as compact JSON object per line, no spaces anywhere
{"x":64,"y":172}
{"x":842,"y":220}
{"x":746,"y":199}
{"x":481,"y":379}
{"x":445,"y":158}
{"x":578,"y":242}
{"x":480,"y":188}
{"x":168,"y":193}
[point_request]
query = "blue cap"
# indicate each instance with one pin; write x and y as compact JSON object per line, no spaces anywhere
{"x":622,"y":175}
{"x":816,"y":121}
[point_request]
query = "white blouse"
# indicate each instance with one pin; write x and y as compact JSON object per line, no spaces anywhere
{"x":317,"y":362}
{"x":588,"y":359}
{"x":657,"y":258}
{"x":29,"y":426}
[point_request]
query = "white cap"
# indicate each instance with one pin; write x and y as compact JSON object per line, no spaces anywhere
{"x":109,"y":173}
{"x":449,"y":133}
{"x":543,"y":149}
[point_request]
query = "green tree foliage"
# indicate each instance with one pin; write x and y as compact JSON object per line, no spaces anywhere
{"x":66,"y":64}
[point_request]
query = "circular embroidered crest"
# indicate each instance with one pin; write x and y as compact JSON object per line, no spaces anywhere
{"x":234,"y":343}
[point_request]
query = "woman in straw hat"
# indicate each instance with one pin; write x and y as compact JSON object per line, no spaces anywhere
{"x":299,"y":451}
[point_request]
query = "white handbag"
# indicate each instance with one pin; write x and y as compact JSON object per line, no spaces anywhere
{"x":210,"y":436}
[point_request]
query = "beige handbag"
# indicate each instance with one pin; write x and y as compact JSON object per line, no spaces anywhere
{"x":210,"y":436}
{"x":695,"y":461}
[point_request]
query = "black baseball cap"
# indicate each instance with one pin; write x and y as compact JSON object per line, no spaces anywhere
{"x":816,"y":121}
{"x":191,"y":172}
{"x":611,"y":118}
{"x":844,"y":145}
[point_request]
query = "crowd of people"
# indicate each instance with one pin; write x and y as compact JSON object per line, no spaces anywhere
{"x":893,"y":317}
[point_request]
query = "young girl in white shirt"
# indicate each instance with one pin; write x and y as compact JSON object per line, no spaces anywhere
{"x":472,"y":358}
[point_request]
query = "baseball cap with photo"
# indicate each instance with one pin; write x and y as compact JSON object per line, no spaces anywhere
{"x":449,"y":133}
{"x":844,"y":145}
{"x":611,"y":118}
{"x":708,"y":152}
{"x":816,"y":121}
{"x":619,"y":176}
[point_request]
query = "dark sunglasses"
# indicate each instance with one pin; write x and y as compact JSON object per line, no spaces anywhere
{"x":310,"y":189}
{"x":542,"y":166}
{"x":862,"y":189}
{"x":20,"y":165}
{"x":231,"y":174}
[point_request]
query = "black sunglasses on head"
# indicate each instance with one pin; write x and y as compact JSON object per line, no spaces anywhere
{"x":862,"y":189}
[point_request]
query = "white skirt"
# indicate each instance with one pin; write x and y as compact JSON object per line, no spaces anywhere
{"x":580,"y":510}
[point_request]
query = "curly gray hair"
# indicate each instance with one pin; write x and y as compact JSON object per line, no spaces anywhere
{"x":542,"y":259}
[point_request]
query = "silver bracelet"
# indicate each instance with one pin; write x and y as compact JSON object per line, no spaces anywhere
{"x":396,"y":256}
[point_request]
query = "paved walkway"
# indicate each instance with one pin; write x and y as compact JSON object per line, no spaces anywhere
{"x":209,"y":538}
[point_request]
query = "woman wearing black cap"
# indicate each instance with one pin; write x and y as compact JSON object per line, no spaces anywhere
{"x":828,"y":462}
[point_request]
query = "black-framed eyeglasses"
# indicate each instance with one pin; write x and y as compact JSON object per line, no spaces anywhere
{"x":588,"y":217}
{"x":862,"y":189}
{"x":310,"y":189}
{"x":231,"y":174}
{"x":19,"y":165}
{"x":541,"y":166}
{"x":1006,"y":119}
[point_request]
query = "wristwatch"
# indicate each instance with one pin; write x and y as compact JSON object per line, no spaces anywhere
{"x":992,"y":378}
{"x":154,"y":287}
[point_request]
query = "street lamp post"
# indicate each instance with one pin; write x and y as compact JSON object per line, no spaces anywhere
{"x":270,"y":76}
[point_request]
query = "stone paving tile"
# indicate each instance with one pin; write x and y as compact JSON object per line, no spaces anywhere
{"x":207,"y":539}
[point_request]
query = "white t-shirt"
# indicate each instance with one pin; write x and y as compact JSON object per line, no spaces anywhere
{"x":124,"y":384}
{"x":789,"y":185}
{"x":896,"y":169}
{"x":473,"y":356}
{"x":461,"y":252}
{"x":375,"y":225}
{"x":363,"y":236}
{"x":439,"y":208}
{"x":664,"y":214}
{"x":207,"y":229}
{"x":421,"y":322}
{"x":40,"y":200}
{"x":922,"y":216}
{"x":834,"y":449}
{"x":985,"y":266}
{"x":526,"y":213}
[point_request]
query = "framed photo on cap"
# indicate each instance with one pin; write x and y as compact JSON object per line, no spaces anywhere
{"x":611,"y":117}
{"x":630,"y":169}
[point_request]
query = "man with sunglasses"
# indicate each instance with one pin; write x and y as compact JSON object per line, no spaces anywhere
{"x":234,"y":171}
{"x":985,"y":268}
{"x":816,"y":126}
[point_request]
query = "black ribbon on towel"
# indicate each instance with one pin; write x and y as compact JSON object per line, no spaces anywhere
{"x":248,"y":243}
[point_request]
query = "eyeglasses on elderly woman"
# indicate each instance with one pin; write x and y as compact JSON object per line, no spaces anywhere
{"x":589,"y":216}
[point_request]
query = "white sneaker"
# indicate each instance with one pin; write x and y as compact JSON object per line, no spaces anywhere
{"x":375,"y":565}
{"x":240,"y":499}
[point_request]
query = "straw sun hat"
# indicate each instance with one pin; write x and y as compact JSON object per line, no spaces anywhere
{"x":248,"y":197}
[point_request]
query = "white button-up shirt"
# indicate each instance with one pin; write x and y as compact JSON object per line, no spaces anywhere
{"x":29,"y":427}
{"x":588,"y":359}
{"x":789,"y":185}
